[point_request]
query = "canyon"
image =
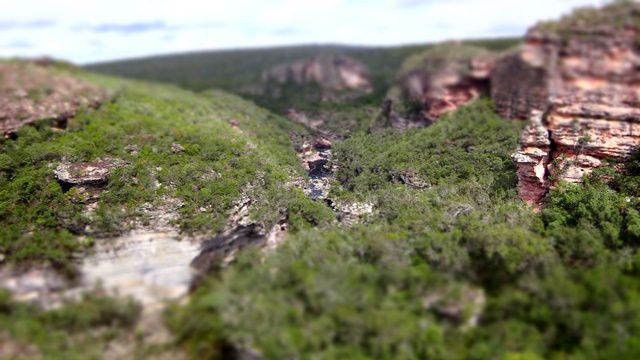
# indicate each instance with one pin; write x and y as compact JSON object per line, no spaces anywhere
{"x":427,"y":201}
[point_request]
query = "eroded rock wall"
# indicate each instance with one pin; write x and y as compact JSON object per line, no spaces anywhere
{"x":439,"y":81}
{"x":330,"y":73}
{"x":581,"y":92}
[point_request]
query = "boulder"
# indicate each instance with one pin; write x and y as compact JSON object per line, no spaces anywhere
{"x":85,"y":181}
{"x":322,"y":143}
{"x":177,"y":148}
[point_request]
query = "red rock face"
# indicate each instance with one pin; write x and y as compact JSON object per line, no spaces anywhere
{"x":440,"y":100}
{"x":515,"y":98}
{"x":449,"y":87}
{"x":582,"y":94}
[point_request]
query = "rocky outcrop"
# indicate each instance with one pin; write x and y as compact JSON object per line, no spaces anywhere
{"x":241,"y":232}
{"x":88,"y":178}
{"x":579,"y":84}
{"x":411,"y":178}
{"x":438,"y":81}
{"x":87,"y":173}
{"x":349,"y":213}
{"x":532,"y":159}
{"x":32,"y":91}
{"x":518,"y":87}
{"x":331,"y":73}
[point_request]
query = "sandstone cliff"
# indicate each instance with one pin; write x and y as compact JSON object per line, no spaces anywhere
{"x":330,"y":73}
{"x":32,"y":91}
{"x":578,"y":82}
{"x":440,"y":80}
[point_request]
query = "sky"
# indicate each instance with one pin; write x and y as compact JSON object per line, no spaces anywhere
{"x":86,"y":31}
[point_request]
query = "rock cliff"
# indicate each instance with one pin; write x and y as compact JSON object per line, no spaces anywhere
{"x":330,"y":73}
{"x":578,"y":82}
{"x":440,"y":80}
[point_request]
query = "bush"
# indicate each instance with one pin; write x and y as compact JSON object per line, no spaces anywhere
{"x":76,"y":330}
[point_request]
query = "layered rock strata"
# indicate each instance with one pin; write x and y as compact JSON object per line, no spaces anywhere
{"x":581,"y":91}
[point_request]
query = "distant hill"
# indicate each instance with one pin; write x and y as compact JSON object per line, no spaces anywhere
{"x":231,"y":69}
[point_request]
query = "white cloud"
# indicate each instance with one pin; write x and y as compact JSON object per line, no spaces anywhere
{"x":85,"y":31}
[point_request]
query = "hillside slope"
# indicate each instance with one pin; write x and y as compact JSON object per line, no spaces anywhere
{"x":138,"y":127}
{"x":149,"y":160}
{"x":244,"y":72}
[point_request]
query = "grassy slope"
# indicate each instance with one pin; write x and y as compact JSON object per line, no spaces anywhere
{"x":39,"y":220}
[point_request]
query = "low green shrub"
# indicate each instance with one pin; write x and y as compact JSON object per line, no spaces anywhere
{"x":558,"y":284}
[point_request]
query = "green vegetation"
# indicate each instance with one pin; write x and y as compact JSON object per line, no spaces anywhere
{"x":618,"y":14}
{"x":455,"y":268}
{"x":232,"y":69}
{"x":239,"y":70}
{"x":439,"y":56}
{"x":79,"y":330}
{"x":40,"y":222}
{"x":559,"y":284}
